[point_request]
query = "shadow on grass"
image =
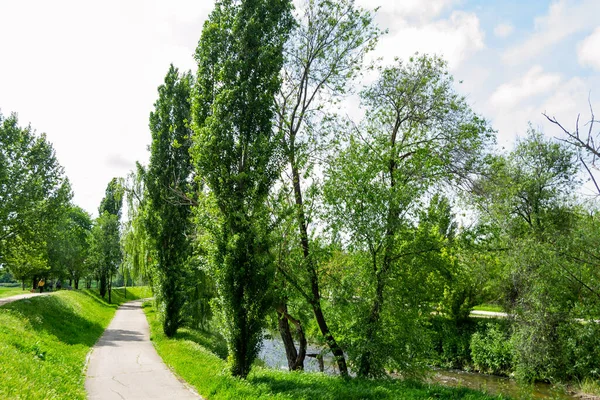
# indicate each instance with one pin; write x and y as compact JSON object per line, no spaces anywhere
{"x":54,"y":316}
{"x":303,"y":385}
{"x":209,"y":340}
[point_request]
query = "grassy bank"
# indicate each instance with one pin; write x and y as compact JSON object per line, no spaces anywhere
{"x":44,"y":342}
{"x":11,"y":291}
{"x":192,"y":355}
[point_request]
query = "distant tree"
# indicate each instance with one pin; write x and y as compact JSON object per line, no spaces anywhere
{"x":106,"y":237}
{"x":68,"y":247}
{"x":239,"y":62}
{"x":34,"y":194}
{"x":168,"y":181}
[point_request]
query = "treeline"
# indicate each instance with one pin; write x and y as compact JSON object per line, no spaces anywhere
{"x":44,"y":237}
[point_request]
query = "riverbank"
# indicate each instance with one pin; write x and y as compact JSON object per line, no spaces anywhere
{"x":198,"y":358}
{"x":44,"y":342}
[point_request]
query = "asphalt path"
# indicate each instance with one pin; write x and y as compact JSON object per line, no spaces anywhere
{"x":10,"y":299}
{"x":124,"y":365}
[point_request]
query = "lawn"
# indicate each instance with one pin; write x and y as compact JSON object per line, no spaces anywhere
{"x":193,"y":356}
{"x":44,"y":342}
{"x":11,"y":291}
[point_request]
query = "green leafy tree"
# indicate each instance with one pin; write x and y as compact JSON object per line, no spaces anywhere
{"x":239,"y":60}
{"x":106,"y":237}
{"x":527,"y":196}
{"x":168,"y":179}
{"x":34,"y":194}
{"x":324,"y":53}
{"x":68,"y":248}
{"x":419,"y":133}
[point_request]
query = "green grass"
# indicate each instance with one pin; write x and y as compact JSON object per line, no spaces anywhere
{"x":191,"y":355}
{"x":488,"y":307}
{"x":44,"y":342}
{"x":11,"y":291}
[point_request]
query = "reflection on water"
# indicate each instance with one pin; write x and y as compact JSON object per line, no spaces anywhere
{"x":273,"y":354}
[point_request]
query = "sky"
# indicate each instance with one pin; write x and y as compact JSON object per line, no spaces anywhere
{"x":86,"y":72}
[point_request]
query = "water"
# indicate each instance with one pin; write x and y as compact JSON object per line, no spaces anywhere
{"x":498,"y":385}
{"x":273,"y":354}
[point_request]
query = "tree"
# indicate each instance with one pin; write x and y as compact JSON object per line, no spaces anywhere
{"x":587,"y":144}
{"x":106,"y":237}
{"x":34,"y":194}
{"x":139,"y":251}
{"x":527,"y":198}
{"x":419,"y":133}
{"x":68,"y":248}
{"x":324,"y":53}
{"x":168,"y":179}
{"x":239,"y":60}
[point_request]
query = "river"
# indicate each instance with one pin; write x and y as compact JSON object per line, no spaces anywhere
{"x":273,"y":355}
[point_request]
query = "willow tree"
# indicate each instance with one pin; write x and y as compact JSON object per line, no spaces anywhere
{"x":167,"y":182}
{"x":239,"y":60}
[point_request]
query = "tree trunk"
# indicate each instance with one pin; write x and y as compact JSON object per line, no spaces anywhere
{"x":314,"y":279}
{"x":23,"y":283}
{"x":109,"y":289}
{"x":295,"y":358}
{"x":77,"y":284}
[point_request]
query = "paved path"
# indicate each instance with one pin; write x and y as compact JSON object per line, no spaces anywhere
{"x":10,"y":299}
{"x":125,"y":366}
{"x":489,"y":314}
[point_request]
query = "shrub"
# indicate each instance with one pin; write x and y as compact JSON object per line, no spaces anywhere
{"x":491,"y":351}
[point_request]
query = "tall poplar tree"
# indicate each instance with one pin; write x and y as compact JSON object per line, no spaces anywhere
{"x":239,"y":60}
{"x":168,"y":179}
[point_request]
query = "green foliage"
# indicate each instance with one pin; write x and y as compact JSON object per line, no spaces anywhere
{"x":105,"y":253}
{"x":419,"y":133}
{"x":34,"y":196}
{"x":68,"y":247}
{"x":451,"y":342}
{"x":491,"y":351}
{"x":168,"y":182}
{"x":239,"y":59}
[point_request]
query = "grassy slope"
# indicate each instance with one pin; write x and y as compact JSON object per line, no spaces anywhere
{"x":44,"y":342}
{"x":189,"y":355}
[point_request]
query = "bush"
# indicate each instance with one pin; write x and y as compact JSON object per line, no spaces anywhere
{"x":491,"y":351}
{"x":451,"y":342}
{"x":583,"y":346}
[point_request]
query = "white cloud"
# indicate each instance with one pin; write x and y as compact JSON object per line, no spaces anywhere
{"x":503,"y":30}
{"x":455,"y":38}
{"x":564,"y":18}
{"x":86,"y":73}
{"x":409,"y":9}
{"x":534,"y":82}
{"x":588,"y":51}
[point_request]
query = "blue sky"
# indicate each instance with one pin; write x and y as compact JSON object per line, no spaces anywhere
{"x":86,"y":73}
